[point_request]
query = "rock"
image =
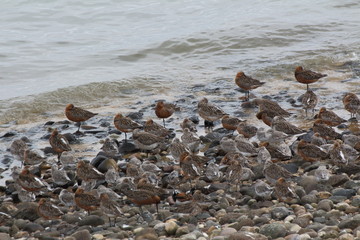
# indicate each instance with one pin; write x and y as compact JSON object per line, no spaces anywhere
{"x":189,"y":236}
{"x":310,"y":198}
{"x":146,"y":234}
{"x":227,"y":231}
{"x":33,"y":227}
{"x":348,"y":193}
{"x":92,"y":220}
{"x":171,"y":227}
{"x":325,"y":205}
{"x":303,"y":220}
{"x":160,"y":228}
{"x":337,"y":180}
{"x":82,"y":235}
{"x":279,"y":213}
{"x":71,"y":218}
{"x":247,"y":236}
{"x":4,"y":236}
{"x":273,"y":230}
{"x":349,"y":223}
{"x":182,"y":231}
{"x":27,"y":210}
{"x":355,"y":201}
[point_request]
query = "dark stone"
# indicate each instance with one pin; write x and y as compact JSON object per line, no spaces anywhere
{"x":349,"y":223}
{"x":70,"y":137}
{"x":310,"y":198}
{"x":348,"y":193}
{"x":92,"y":220}
{"x":273,"y":230}
{"x":127,"y":147}
{"x":280,"y":213}
{"x":135,"y":115}
{"x":337,"y":199}
{"x":82,"y":235}
{"x":9,"y":134}
{"x":33,"y":227}
{"x":27,"y":210}
{"x":325,"y":205}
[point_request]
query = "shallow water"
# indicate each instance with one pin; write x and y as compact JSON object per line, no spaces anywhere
{"x":98,"y":53}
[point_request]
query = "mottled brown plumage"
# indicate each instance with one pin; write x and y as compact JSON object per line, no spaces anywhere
{"x":329,"y":117}
{"x":351,"y":103}
{"x":125,"y":124}
{"x":85,"y":171}
{"x":209,"y":111}
{"x":325,"y":131}
{"x":86,"y":201}
{"x":310,"y":152}
{"x":230,"y":123}
{"x":280,"y":124}
{"x":307,"y":76}
{"x":271,"y":108}
{"x":309,"y":101}
{"x":164,"y":110}
{"x":77,"y":114}
{"x":48,"y":210}
{"x":283,"y":190}
{"x":247,"y":83}
{"x":109,"y":207}
{"x":154,"y":128}
{"x":246,"y":129}
{"x":59,"y":143}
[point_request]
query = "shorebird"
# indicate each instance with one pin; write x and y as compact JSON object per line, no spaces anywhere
{"x":234,"y":173}
{"x":271,"y":108}
{"x":351,"y":103}
{"x":144,"y":184}
{"x":18,"y":148}
{"x":247,"y":83}
{"x":262,"y":115}
{"x":317,"y":140}
{"x":164,"y":110}
{"x":176,"y":148}
{"x":273,"y":172}
{"x":280,"y":124}
{"x":48,"y":210}
{"x":263,"y":190}
{"x":77,"y":114}
{"x":284,"y":191}
{"x":140,"y":197}
{"x":152,"y":127}
{"x":263,"y":155}
{"x":33,"y":157}
{"x":322,"y":174}
{"x":146,"y":141}
{"x":86,"y":172}
{"x":86,"y":200}
{"x":59,"y":176}
{"x":67,"y":197}
{"x":209,"y":112}
{"x":342,"y":154}
{"x":310,"y":152}
{"x":109,"y":207}
{"x":246,"y":129}
{"x":59,"y":143}
{"x":125,"y":124}
{"x":307,"y":76}
{"x":30,"y":182}
{"x":309,"y":101}
{"x":244,"y":146}
{"x":191,"y":140}
{"x":228,"y":144}
{"x":278,"y":150}
{"x":192,"y":165}
{"x":110,"y":147}
{"x":329,"y":117}
{"x":187,"y":123}
{"x":325,"y":131}
{"x":230,"y":123}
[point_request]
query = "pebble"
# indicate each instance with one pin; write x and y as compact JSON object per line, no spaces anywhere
{"x":91,"y":220}
{"x":273,"y":230}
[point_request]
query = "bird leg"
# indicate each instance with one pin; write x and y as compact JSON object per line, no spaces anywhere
{"x":164,"y":121}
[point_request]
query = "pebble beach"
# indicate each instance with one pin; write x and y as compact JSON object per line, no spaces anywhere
{"x":325,"y":208}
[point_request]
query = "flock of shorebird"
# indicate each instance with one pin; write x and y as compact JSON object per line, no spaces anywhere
{"x":239,"y":154}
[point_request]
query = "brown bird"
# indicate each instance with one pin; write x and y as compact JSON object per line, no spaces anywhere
{"x":351,"y":103}
{"x":280,"y":124}
{"x":86,"y":201}
{"x":192,"y":165}
{"x":152,"y":127}
{"x":283,"y":190}
{"x":230,"y":123}
{"x":209,"y":112}
{"x":109,"y":207}
{"x":77,"y":114}
{"x":273,"y":172}
{"x":125,"y":124}
{"x":86,"y":172}
{"x":271,"y":108}
{"x":187,"y":123}
{"x":140,"y":197}
{"x":307,"y":76}
{"x":325,"y":131}
{"x":59,"y":143}
{"x":247,"y":83}
{"x":262,"y":115}
{"x":146,"y":141}
{"x":144,"y":184}
{"x":234,"y":173}
{"x":246,"y":129}
{"x":176,"y":148}
{"x":29,"y":181}
{"x":165,"y":110}
{"x":329,"y":117}
{"x":48,"y":210}
{"x":310,"y":152}
{"x":309,"y":101}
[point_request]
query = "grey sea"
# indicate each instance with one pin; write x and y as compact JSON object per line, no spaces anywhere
{"x":113,"y":52}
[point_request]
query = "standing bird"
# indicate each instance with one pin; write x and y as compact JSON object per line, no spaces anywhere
{"x":152,"y":127}
{"x":59,"y":143}
{"x":109,"y":207}
{"x":351,"y":103}
{"x":125,"y":124}
{"x":247,"y":83}
{"x":309,"y":101}
{"x":146,"y":141}
{"x":164,"y":110}
{"x":307,"y":76}
{"x":209,"y":112}
{"x":86,"y":200}
{"x":77,"y":114}
{"x":48,"y":210}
